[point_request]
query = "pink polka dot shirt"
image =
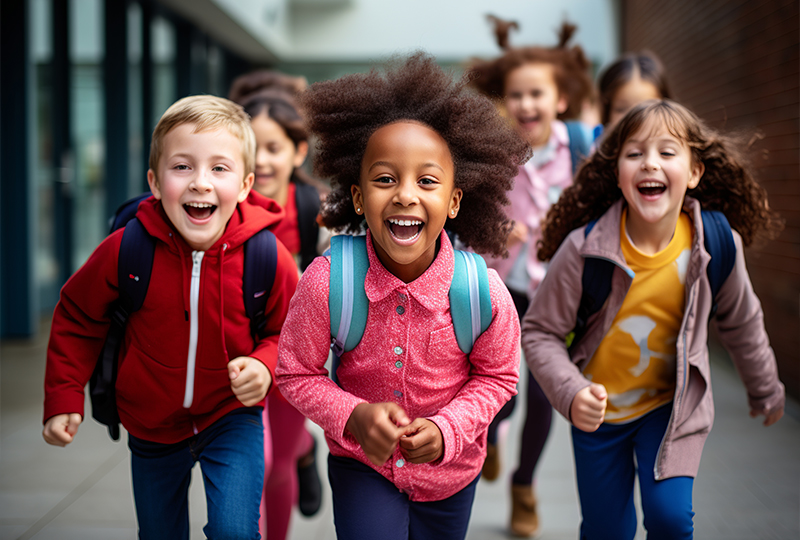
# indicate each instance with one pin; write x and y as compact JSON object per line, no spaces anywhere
{"x":408,"y":355}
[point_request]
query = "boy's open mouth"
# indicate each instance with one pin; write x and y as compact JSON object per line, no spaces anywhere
{"x":199,"y":210}
{"x":651,"y":188}
{"x":404,"y":229}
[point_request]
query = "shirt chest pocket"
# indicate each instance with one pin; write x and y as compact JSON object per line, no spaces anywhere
{"x":443,"y":358}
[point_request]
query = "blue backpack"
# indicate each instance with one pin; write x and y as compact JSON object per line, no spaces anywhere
{"x":596,"y":278}
{"x":470,"y":301}
{"x":135,"y":264}
{"x":580,"y":142}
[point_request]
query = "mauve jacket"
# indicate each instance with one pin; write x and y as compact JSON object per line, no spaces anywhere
{"x":739,"y":320}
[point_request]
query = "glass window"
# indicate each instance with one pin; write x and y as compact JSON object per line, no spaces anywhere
{"x":163,"y":53}
{"x":136,"y":174}
{"x":88,"y":131}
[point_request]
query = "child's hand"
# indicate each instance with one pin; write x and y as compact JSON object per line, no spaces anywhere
{"x":250,"y":379}
{"x":589,"y":407}
{"x":518,"y":234}
{"x":772,"y":415}
{"x":61,"y":429}
{"x":422,"y":442}
{"x":378,"y":427}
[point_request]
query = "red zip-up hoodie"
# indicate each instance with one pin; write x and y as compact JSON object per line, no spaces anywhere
{"x":169,"y":386}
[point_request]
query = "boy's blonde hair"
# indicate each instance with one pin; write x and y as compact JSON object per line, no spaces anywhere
{"x":206,"y":113}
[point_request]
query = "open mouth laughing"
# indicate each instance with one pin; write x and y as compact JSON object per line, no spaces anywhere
{"x":651,"y":188}
{"x":198,"y":210}
{"x":404,"y":230}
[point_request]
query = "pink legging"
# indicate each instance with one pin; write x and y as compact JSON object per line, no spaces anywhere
{"x":280,"y":464}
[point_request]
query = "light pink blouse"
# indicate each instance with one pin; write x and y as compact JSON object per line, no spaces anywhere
{"x":408,"y":355}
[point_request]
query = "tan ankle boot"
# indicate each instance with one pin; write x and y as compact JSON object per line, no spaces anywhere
{"x":491,"y":465}
{"x":524,"y":520}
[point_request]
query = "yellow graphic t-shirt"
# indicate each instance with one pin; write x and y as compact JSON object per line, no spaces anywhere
{"x":636,"y":359}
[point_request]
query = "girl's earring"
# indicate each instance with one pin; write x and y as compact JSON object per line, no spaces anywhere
{"x":358,"y":210}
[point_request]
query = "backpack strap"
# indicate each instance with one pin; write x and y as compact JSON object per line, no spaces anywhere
{"x":347,"y":298}
{"x":134,"y":266}
{"x":307,"y":200}
{"x":596,"y":286}
{"x":126,"y":212}
{"x":470,"y":299}
{"x":260,"y":265}
{"x":580,"y":143}
{"x":718,"y":241}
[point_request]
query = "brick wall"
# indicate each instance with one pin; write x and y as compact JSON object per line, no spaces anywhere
{"x":735,"y":64}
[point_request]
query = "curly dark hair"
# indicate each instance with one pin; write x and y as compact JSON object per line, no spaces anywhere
{"x":727,"y":185}
{"x":486,"y":152}
{"x":264,"y":79}
{"x":644,"y":64}
{"x":570,"y":67}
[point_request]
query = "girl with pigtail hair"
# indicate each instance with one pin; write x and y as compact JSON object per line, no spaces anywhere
{"x":631,"y":374}
{"x":542,"y":90}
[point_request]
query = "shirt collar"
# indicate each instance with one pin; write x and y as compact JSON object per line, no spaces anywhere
{"x":430,"y":289}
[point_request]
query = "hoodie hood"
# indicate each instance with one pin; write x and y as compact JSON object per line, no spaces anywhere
{"x":250,"y":216}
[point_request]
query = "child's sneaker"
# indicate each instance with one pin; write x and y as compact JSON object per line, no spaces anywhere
{"x":309,"y":488}
{"x":524,"y":519}
{"x":491,"y":465}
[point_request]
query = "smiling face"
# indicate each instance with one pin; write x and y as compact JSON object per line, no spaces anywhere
{"x":276,"y":158}
{"x":533,"y":101}
{"x":629,"y":94}
{"x":655,"y":168}
{"x":200,"y":180}
{"x":406,"y":192}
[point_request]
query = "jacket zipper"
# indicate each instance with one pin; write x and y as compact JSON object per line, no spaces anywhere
{"x":194,"y":295}
{"x":678,"y":395}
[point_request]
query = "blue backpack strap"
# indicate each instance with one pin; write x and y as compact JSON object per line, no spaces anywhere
{"x":580,"y":143}
{"x":134,"y":267}
{"x":347,"y":299}
{"x":596,"y":286}
{"x":470,"y":299}
{"x":260,"y":265}
{"x":718,"y":241}
{"x":126,"y":212}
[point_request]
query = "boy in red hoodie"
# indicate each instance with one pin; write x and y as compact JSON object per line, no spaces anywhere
{"x":192,"y":379}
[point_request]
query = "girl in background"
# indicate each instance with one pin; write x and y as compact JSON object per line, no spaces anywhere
{"x":281,"y":149}
{"x":637,"y":384}
{"x":631,"y":79}
{"x":539,"y":87}
{"x":406,"y":424}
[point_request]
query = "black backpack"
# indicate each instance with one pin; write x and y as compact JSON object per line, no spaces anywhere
{"x":596,"y":278}
{"x":135,"y":265}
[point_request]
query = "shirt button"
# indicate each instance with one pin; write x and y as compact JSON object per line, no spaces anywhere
{"x":399,"y":462}
{"x":400,"y":310}
{"x":398,"y":364}
{"x":398,"y":350}
{"x":398,"y":393}
{"x":402,"y":297}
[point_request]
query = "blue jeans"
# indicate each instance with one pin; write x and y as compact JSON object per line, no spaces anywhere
{"x":231,"y":456}
{"x":605,"y":468}
{"x":367,"y":506}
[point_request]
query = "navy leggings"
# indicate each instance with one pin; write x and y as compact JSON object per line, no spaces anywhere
{"x":538,"y":417}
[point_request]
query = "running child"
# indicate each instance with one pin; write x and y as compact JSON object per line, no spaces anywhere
{"x":406,"y":424}
{"x":539,"y":88}
{"x":281,"y":148}
{"x":635,"y":381}
{"x":192,"y":378}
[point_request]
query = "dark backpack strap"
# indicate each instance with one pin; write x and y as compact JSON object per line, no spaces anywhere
{"x":307,"y":201}
{"x":260,"y":266}
{"x":718,"y":241}
{"x":135,"y":264}
{"x":126,"y":212}
{"x":579,"y":143}
{"x":596,"y":286}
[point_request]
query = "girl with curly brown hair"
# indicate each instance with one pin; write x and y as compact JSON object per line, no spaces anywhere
{"x":539,"y":87}
{"x":406,"y":424}
{"x":636,"y":384}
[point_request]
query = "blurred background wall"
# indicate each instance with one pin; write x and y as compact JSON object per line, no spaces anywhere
{"x":83,"y":82}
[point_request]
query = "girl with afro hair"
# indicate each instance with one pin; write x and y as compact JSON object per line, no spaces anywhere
{"x":540,"y":88}
{"x":636,"y":384}
{"x":407,"y":151}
